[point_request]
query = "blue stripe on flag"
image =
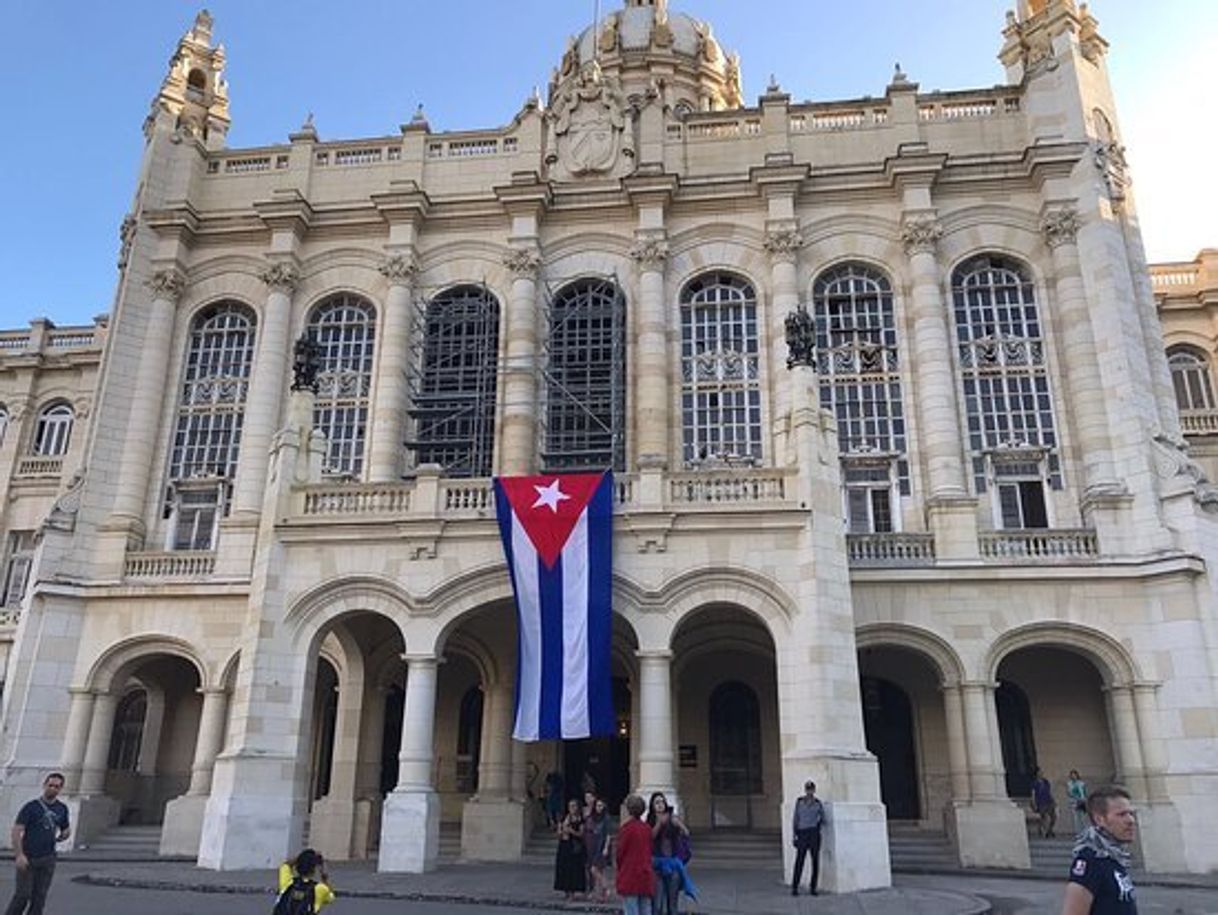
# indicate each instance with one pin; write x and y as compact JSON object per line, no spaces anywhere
{"x":503,"y":514}
{"x":550,"y":580}
{"x":601,"y":717}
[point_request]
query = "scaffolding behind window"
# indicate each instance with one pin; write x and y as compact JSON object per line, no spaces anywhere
{"x":453,"y":384}
{"x":344,"y":327}
{"x":720,"y":386}
{"x":1007,"y":397}
{"x":858,"y":363}
{"x":586,"y":378}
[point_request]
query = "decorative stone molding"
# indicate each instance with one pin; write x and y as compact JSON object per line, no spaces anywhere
{"x":126,"y":237}
{"x":523,"y":262}
{"x":1174,"y":466}
{"x":62,"y":516}
{"x":399,"y":269}
{"x":1060,"y":226}
{"x":920,"y":235}
{"x":651,"y":253}
{"x":281,"y":277}
{"x":167,"y":284}
{"x":784,"y":244}
{"x":590,"y":125}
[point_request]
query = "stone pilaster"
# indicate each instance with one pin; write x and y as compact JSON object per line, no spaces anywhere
{"x":76,"y":738}
{"x":92,"y":811}
{"x":782,"y":243}
{"x":518,"y":437}
{"x":410,"y":821}
{"x":493,"y":823}
{"x":389,"y":409}
{"x":651,"y":370}
{"x":183,"y":822}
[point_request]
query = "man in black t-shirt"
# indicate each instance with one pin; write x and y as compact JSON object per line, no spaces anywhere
{"x":40,"y":824}
{"x":1099,"y":875}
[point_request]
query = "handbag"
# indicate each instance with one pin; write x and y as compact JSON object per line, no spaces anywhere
{"x":683,"y":849}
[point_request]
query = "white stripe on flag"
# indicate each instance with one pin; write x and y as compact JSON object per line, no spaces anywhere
{"x":575,"y":722}
{"x":528,"y":598}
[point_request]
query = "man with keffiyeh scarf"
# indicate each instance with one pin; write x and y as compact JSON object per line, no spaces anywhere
{"x":1100,"y":883}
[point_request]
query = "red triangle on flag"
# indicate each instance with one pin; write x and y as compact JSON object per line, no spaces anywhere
{"x":548,"y":507}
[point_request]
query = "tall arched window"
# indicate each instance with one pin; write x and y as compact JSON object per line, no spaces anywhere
{"x":1190,"y":374}
{"x":344,"y":327}
{"x":859,"y":367}
{"x":735,"y":740}
{"x":1017,"y":739}
{"x":207,"y":435}
{"x":1005,"y":379}
{"x":469,"y":739}
{"x":54,"y":431}
{"x":453,"y":387}
{"x":586,"y":378}
{"x":128,"y":733}
{"x":720,"y":386}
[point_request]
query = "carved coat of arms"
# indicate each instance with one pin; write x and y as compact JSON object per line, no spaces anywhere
{"x":591,"y":128}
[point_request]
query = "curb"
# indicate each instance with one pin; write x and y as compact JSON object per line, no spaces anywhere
{"x":1182,"y":882}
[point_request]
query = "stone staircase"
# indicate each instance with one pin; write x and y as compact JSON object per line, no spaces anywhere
{"x":124,"y":843}
{"x":920,"y":851}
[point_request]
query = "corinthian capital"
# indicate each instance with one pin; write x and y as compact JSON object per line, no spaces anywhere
{"x":399,"y":269}
{"x":281,"y":277}
{"x":921,"y":235}
{"x":651,"y":253}
{"x":783,"y":244}
{"x":1060,"y":226}
{"x":522,"y":262}
{"x":167,"y":284}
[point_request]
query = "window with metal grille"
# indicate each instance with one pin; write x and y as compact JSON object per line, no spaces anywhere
{"x":344,"y":327}
{"x":18,"y":561}
{"x":720,"y":383}
{"x":1005,"y":379}
{"x":1190,"y":375}
{"x":219,"y":357}
{"x":858,"y":362}
{"x":453,"y":384}
{"x":54,"y":431}
{"x":586,"y":378}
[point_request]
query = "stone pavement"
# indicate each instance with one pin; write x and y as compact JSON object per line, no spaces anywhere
{"x":722,"y":891}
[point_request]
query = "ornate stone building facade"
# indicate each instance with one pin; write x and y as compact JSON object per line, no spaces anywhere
{"x":952,"y":535}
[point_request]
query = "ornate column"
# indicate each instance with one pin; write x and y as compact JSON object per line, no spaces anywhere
{"x":957,"y":742}
{"x":265,"y":399}
{"x":147,"y":399}
{"x":389,"y":408}
{"x":97,"y":753}
{"x":76,"y":737}
{"x":782,"y":243}
{"x":651,"y":397}
{"x":518,"y":438}
{"x":1085,"y":394}
{"x":656,"y":771}
{"x":210,"y":741}
{"x":410,"y":823}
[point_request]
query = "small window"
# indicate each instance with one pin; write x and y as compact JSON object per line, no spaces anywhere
{"x":869,"y":499}
{"x":18,"y":562}
{"x":196,"y":84}
{"x":196,"y":512}
{"x":54,"y":431}
{"x":1020,"y":494}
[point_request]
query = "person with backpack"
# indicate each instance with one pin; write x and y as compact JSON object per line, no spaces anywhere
{"x":304,"y":887}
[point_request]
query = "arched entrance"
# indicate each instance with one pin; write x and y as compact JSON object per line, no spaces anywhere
{"x":728,"y":757}
{"x":888,"y":721}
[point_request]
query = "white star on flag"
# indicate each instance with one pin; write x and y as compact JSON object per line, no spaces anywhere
{"x":549,"y":496}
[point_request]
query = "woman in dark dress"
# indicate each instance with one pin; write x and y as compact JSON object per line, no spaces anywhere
{"x":570,"y":861}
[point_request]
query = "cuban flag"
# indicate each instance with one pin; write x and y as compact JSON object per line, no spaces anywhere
{"x":558,"y":536}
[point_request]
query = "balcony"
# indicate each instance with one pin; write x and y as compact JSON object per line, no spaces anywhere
{"x":170,"y":564}
{"x":39,"y":467}
{"x":1199,"y":422}
{"x":1039,"y":545}
{"x":892,"y":550}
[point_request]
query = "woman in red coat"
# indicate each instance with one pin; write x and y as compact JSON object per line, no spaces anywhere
{"x":635,"y":876}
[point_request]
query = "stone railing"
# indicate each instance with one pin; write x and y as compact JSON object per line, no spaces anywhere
{"x":718,"y":128}
{"x":37,"y":466}
{"x":727,"y":487}
{"x":170,"y":564}
{"x":1168,"y":276}
{"x":467,"y":496}
{"x":71,"y":339}
{"x":14,"y":339}
{"x":1038,"y":545}
{"x":959,"y":108}
{"x":890,"y":549}
{"x":1199,"y":422}
{"x":330,"y":500}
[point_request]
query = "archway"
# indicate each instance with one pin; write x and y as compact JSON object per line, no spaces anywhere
{"x":727,"y":734}
{"x":888,"y":722}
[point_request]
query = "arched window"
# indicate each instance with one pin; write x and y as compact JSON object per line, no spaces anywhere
{"x":859,"y":367}
{"x":1015,"y":735}
{"x":720,"y":387}
{"x":54,"y":431}
{"x":344,"y":327}
{"x":453,"y":387}
{"x":469,"y":739}
{"x":586,"y":378}
{"x":1190,"y":374}
{"x":128,"y":732}
{"x":1007,"y":397}
{"x":207,"y":435}
{"x":735,"y":740}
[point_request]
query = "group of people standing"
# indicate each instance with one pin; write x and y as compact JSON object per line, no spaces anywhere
{"x":649,"y":854}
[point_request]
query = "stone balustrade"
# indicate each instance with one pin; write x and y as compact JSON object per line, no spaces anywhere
{"x":331,"y":500}
{"x":1038,"y":545}
{"x":39,"y":466}
{"x":170,"y":564}
{"x":1199,"y":422}
{"x":727,"y":487}
{"x":890,"y":549}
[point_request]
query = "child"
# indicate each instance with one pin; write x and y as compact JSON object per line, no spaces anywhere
{"x":303,"y":885}
{"x":635,"y":877}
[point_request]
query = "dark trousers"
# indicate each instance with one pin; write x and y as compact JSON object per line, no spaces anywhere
{"x":807,"y":842}
{"x":33,"y":883}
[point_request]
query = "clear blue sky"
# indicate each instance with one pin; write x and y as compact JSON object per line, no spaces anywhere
{"x":78,"y":78}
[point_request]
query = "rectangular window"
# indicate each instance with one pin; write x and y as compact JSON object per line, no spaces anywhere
{"x":196,"y":513}
{"x":869,"y":508}
{"x":1022,"y":504}
{"x":19,"y":559}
